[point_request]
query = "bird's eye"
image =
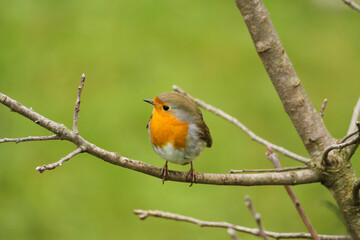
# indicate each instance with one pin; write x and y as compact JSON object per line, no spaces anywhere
{"x":166,"y":107}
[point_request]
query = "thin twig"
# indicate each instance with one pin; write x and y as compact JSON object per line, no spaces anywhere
{"x":51,"y":166}
{"x":30,"y":138}
{"x":323,"y":106}
{"x":274,"y":158}
{"x":77,"y":105}
{"x":352,"y":5}
{"x":235,"y":121}
{"x":232,"y":234}
{"x":354,"y":118}
{"x":348,"y":136}
{"x":257,"y":218}
{"x":339,"y":146}
{"x":285,"y":169}
{"x":253,"y":231}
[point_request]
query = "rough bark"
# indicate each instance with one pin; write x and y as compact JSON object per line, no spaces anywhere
{"x":336,"y":173}
{"x":297,"y":104}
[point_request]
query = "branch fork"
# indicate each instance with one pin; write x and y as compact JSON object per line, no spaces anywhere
{"x":345,"y":142}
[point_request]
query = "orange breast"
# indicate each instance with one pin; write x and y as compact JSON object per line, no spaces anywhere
{"x":165,"y":128}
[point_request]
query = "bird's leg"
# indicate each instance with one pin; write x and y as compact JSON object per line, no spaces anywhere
{"x":192,"y":175}
{"x":164,"y":172}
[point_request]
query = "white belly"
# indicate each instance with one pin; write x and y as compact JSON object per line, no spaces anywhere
{"x":182,"y":155}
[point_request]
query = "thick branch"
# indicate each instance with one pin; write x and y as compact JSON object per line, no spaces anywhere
{"x":253,"y":231}
{"x":355,"y":192}
{"x":282,"y":178}
{"x":235,"y":121}
{"x":297,"y":104}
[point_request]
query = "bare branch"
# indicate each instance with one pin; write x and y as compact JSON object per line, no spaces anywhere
{"x":235,"y":121}
{"x":257,"y":218}
{"x":352,"y":5}
{"x":348,"y":136}
{"x":282,"y":178}
{"x":51,"y":166}
{"x":285,"y":169}
{"x":274,"y":158}
{"x":323,"y":106}
{"x":253,"y":231}
{"x":29,"y":139}
{"x":232,"y":234}
{"x":77,"y":105}
{"x":354,"y":118}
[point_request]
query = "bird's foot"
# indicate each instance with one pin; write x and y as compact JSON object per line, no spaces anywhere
{"x":164,"y":172}
{"x":191,"y":175}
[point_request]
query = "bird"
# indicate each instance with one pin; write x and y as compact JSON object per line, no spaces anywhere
{"x":177,"y":131}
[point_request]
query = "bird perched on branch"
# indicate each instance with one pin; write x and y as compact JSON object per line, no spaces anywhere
{"x":177,"y":131}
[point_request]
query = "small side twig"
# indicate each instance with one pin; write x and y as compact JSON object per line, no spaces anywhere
{"x":77,"y":105}
{"x":323,"y":106}
{"x":235,"y":121}
{"x":274,"y":158}
{"x":349,"y":136}
{"x":143,"y":214}
{"x":29,"y":139}
{"x":51,"y":166}
{"x":232,"y":234}
{"x":256,"y":216}
{"x":352,"y":5}
{"x":285,"y":169}
{"x":339,"y":146}
{"x":355,"y":192}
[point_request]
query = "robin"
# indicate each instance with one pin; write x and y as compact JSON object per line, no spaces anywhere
{"x":177,"y":130}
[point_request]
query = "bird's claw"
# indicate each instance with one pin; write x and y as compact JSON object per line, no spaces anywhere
{"x":164,"y":172}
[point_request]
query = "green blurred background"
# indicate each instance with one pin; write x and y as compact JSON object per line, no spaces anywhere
{"x":131,"y":50}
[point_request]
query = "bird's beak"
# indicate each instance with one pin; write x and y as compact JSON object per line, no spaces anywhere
{"x":149,"y":101}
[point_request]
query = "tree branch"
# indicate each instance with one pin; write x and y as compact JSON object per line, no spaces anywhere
{"x":77,"y":105}
{"x":253,"y":231}
{"x":29,"y":139}
{"x":338,"y":177}
{"x":285,"y":169}
{"x":355,"y":192}
{"x":274,"y":158}
{"x":297,"y":104}
{"x":352,"y":5}
{"x":354,"y":118}
{"x":257,"y":218}
{"x":355,"y":142}
{"x":232,"y":234}
{"x":323,"y":106}
{"x":235,"y":121}
{"x":282,"y":178}
{"x":51,"y":166}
